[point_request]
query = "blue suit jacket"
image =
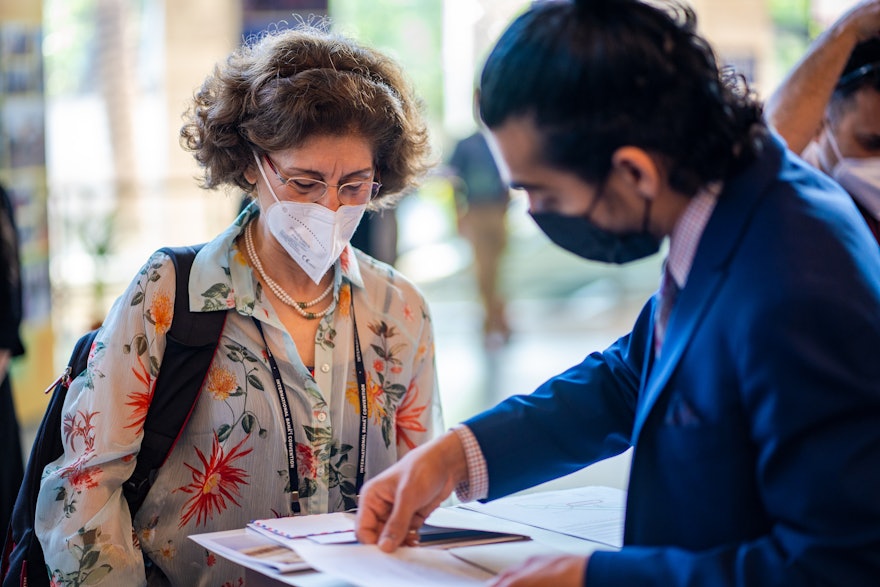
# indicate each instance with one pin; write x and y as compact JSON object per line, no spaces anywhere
{"x":757,"y":430}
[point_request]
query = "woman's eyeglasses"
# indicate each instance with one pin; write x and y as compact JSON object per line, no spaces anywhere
{"x":307,"y":189}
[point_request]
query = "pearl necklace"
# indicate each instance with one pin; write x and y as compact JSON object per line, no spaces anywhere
{"x":282,"y":295}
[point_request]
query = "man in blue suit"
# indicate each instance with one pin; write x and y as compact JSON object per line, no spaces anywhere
{"x":749,"y":386}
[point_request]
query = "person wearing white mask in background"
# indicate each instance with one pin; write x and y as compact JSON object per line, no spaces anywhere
{"x":828,"y":107}
{"x":316,"y":128}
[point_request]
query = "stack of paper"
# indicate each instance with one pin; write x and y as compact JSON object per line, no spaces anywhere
{"x":252,"y":550}
{"x":303,"y":542}
{"x":322,"y":528}
{"x":338,"y":528}
{"x":321,"y":541}
{"x":591,"y":513}
{"x":367,"y":566}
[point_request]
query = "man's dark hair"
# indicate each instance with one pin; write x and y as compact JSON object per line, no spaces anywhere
{"x":597,"y":75}
{"x":862,"y":70}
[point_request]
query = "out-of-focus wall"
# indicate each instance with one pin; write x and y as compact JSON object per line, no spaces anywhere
{"x":742,"y":34}
{"x":198,"y":34}
{"x":23,"y":174}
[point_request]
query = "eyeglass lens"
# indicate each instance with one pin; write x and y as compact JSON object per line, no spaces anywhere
{"x":314,"y":189}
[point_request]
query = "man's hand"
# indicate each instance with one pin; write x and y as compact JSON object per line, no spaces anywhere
{"x":394,"y":505}
{"x":559,"y":571}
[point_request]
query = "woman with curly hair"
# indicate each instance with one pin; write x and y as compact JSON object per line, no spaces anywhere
{"x":316,"y":129}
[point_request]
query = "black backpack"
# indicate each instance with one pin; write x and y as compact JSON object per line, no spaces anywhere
{"x":191,"y":343}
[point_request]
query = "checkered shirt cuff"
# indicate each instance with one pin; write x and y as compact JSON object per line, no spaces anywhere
{"x":477,"y":485}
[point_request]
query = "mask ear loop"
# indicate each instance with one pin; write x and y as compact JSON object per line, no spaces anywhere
{"x":592,"y":208}
{"x":648,"y":202}
{"x":263,"y":173}
{"x":834,"y":146}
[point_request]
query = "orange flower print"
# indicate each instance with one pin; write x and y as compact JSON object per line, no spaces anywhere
{"x":408,"y":313}
{"x":215,"y":485}
{"x":345,"y":300}
{"x":239,"y":257}
{"x":169,"y":550}
{"x":375,"y":398}
{"x":351,"y":393}
{"x":378,"y":365}
{"x":210,"y":559}
{"x":221,"y":383}
{"x":161,"y":311}
{"x":306,"y":462}
{"x":147,"y":535}
{"x":409,"y":417}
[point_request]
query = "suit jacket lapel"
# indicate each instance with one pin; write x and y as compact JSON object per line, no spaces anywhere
{"x":724,"y":231}
{"x":692,"y":304}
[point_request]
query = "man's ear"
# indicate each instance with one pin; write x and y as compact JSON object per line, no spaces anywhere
{"x":637,"y":170}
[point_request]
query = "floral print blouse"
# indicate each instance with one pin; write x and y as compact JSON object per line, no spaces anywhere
{"x":230,"y":465}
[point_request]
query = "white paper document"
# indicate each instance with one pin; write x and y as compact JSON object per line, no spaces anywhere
{"x":291,"y":530}
{"x":251,"y":550}
{"x":367,"y":566}
{"x":592,"y":513}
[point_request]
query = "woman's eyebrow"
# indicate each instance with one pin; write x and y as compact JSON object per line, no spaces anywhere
{"x":294,"y":171}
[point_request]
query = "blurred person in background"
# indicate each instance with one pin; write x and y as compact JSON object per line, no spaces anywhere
{"x":481,"y":200}
{"x":316,"y":128}
{"x":748,"y":386}
{"x":11,"y":346}
{"x":828,"y":107}
{"x":376,"y":235}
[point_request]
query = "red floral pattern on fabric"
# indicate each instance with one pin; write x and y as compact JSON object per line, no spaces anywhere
{"x":215,"y":484}
{"x":409,"y":417}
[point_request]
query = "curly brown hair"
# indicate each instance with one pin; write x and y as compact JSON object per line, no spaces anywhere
{"x":289,"y":85}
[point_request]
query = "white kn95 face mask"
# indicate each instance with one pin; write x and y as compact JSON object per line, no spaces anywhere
{"x":313,"y":235}
{"x":860,"y":177}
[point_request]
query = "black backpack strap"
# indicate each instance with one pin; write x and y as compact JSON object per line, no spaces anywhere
{"x":191,"y":343}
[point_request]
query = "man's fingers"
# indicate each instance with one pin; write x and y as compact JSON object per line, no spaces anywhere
{"x":397,"y":525}
{"x":412,"y":537}
{"x":400,"y":498}
{"x":367,"y":532}
{"x":370,"y":518}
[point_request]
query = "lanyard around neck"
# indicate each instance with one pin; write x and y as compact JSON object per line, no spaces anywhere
{"x":293,"y":473}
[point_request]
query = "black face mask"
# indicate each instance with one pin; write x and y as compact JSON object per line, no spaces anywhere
{"x":581,"y":237}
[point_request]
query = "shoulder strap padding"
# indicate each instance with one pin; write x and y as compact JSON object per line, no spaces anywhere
{"x":190,"y":345}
